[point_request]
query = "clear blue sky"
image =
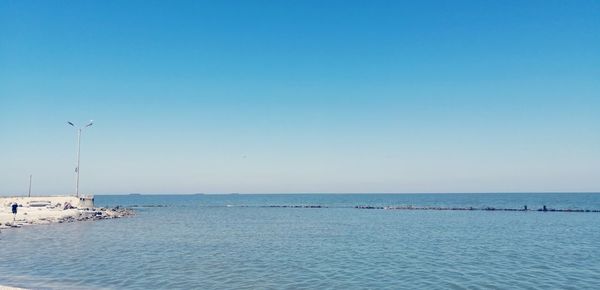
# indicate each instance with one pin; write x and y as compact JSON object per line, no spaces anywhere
{"x":301,"y":96}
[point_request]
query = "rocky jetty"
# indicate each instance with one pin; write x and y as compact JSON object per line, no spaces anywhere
{"x":525,"y":208}
{"x":296,"y":206}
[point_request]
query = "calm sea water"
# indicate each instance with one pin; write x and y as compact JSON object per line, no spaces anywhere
{"x":231,"y":242}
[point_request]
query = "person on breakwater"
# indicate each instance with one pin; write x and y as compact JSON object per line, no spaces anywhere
{"x":14,"y":211}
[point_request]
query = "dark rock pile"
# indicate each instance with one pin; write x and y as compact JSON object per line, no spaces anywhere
{"x":93,"y":214}
{"x":296,"y":206}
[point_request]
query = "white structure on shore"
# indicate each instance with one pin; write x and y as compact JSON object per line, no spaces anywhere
{"x":86,"y":201}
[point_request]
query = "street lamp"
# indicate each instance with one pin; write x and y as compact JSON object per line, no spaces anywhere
{"x":79,"y":129}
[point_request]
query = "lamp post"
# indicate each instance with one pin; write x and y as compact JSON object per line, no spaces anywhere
{"x":79,"y":129}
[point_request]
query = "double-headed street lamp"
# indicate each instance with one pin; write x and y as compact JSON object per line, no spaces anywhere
{"x":79,"y":129}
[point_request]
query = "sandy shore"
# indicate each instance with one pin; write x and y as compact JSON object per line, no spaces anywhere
{"x":51,"y":209}
{"x":10,"y":288}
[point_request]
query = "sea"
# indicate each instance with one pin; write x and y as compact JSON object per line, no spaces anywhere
{"x":315,"y":241}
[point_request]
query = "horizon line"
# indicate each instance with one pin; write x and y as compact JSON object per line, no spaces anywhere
{"x":316,"y":193}
{"x":268,"y":193}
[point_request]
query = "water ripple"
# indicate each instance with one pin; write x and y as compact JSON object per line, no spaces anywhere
{"x":191,"y":247}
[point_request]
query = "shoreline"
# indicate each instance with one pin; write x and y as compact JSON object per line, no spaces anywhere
{"x":2,"y":287}
{"x":40,"y":210}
